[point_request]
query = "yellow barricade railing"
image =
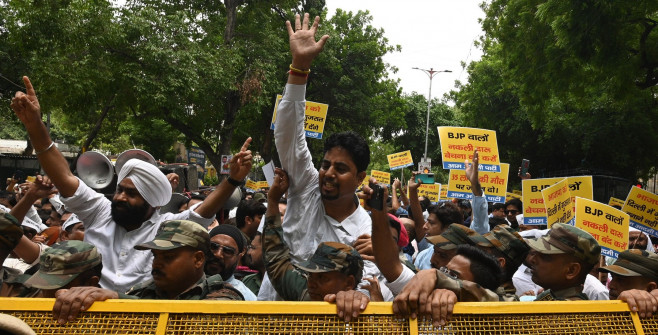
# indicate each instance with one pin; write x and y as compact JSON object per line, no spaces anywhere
{"x":219,"y":317}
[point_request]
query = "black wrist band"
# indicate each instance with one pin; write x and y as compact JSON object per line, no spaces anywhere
{"x":234,"y":182}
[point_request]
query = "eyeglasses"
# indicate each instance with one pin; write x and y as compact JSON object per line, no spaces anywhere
{"x":513,"y":211}
{"x":450,"y":273}
{"x":228,"y":251}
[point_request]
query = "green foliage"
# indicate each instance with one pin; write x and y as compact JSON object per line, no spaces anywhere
{"x":210,"y":180}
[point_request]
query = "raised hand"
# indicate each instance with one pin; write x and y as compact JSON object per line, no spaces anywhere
{"x":279,"y":186}
{"x":241,"y":162}
{"x":26,"y":106}
{"x":303,"y":46}
{"x":472,"y":174}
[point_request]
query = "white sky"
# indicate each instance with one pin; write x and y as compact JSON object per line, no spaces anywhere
{"x":435,"y":34}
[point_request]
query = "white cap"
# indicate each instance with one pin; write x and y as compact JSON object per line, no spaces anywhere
{"x":73,"y":219}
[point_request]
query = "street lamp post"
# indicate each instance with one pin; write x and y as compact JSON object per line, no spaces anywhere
{"x":430,"y":73}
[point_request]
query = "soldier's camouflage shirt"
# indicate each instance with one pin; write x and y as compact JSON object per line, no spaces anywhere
{"x":206,"y":288}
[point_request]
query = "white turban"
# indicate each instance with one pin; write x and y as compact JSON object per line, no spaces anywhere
{"x":150,"y":182}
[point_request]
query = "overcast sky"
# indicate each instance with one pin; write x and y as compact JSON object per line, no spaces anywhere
{"x":435,"y":34}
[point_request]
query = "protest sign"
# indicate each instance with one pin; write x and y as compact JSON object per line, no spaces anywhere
{"x":382,"y":177}
{"x":252,"y":185}
{"x":430,"y":191}
{"x":509,"y":196}
{"x":444,"y":192}
{"x":263,"y":184}
{"x":400,"y":160}
{"x":616,"y":202}
{"x":226,"y":164}
{"x":557,"y":201}
{"x":609,"y":226}
{"x":458,"y":144}
{"x":494,"y":184}
{"x":642,"y":207}
{"x":268,"y":171}
{"x":316,"y":116}
{"x":534,"y":212}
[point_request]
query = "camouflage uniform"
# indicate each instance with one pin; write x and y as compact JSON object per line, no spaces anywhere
{"x":174,"y":234}
{"x":465,"y":290}
{"x":567,"y":239}
{"x":253,"y":282}
{"x":10,"y":234}
{"x":512,"y":245}
{"x":455,"y":235}
{"x":291,"y":282}
{"x":635,"y":263}
{"x":63,"y":262}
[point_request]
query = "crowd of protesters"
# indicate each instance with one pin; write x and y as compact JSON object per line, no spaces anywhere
{"x":307,"y":238}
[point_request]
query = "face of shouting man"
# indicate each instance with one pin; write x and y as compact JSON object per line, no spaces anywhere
{"x":338,"y":175}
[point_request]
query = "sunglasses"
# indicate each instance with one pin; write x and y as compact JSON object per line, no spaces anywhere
{"x":450,"y":273}
{"x":228,"y":251}
{"x":512,"y":211}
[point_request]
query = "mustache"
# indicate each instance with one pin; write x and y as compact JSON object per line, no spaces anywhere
{"x":156,"y":272}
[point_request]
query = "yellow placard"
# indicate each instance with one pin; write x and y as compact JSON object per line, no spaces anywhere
{"x":458,"y":144}
{"x":365,"y":181}
{"x":252,"y":185}
{"x":316,"y":116}
{"x":430,"y":191}
{"x":494,"y":184}
{"x":400,"y":160}
{"x":616,"y":202}
{"x":608,"y":225}
{"x":31,"y":179}
{"x":557,"y":201}
{"x":509,"y":196}
{"x":444,"y":192}
{"x":263,"y":184}
{"x":517,"y":192}
{"x":642,"y":206}
{"x":382,"y":177}
{"x":534,"y":212}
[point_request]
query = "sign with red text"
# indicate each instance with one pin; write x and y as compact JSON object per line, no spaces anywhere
{"x":642,"y":207}
{"x":494,"y":184}
{"x":444,"y":192}
{"x":557,"y":201}
{"x":252,"y":185}
{"x":608,"y":225}
{"x":400,"y":160}
{"x":534,"y":212}
{"x":430,"y":191}
{"x":616,"y":202}
{"x":262,"y":184}
{"x":458,"y":144}
{"x":316,"y":116}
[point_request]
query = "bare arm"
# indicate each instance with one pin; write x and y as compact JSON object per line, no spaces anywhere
{"x":28,"y":110}
{"x":240,"y":167}
{"x":472,"y":174}
{"x":395,"y":202}
{"x":416,"y":210}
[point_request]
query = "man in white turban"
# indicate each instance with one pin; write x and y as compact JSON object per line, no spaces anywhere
{"x":132,"y":216}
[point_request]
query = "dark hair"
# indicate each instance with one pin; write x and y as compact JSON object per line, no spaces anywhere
{"x":493,"y":222}
{"x":87,"y":274}
{"x":355,"y":145}
{"x":248,"y":208}
{"x":425,"y":203}
{"x":516,"y":203}
{"x":447,"y":212}
{"x":197,"y":196}
{"x":355,"y":268}
{"x":511,"y":265}
{"x":497,"y":206}
{"x":484,"y":267}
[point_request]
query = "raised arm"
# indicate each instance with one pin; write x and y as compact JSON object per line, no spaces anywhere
{"x":383,"y":245}
{"x":303,"y":47}
{"x":480,"y":221}
{"x":395,"y":202}
{"x":240,"y":167}
{"x":416,"y":210}
{"x":28,"y":110}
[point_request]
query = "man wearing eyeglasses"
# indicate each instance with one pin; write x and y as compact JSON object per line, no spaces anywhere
{"x":513,"y":208}
{"x":227,"y":245}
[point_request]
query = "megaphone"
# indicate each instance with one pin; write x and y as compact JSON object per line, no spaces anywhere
{"x":130,"y":154}
{"x":95,"y":170}
{"x":234,"y":199}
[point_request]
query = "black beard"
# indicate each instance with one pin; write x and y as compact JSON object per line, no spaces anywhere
{"x":225,"y":272}
{"x":129,"y":216}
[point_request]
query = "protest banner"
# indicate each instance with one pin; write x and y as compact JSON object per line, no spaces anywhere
{"x":458,"y":144}
{"x":262,"y":184}
{"x":382,"y":177}
{"x":316,"y":116}
{"x":642,"y":207}
{"x":557,"y":201}
{"x":251,"y":185}
{"x":509,"y":196}
{"x":196,"y":156}
{"x":430,"y":191}
{"x":616,"y":202}
{"x":609,"y":226}
{"x":494,"y":184}
{"x":444,"y":192}
{"x":400,"y":160}
{"x":534,"y":212}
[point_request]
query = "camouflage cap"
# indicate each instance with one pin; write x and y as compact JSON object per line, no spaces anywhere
{"x":635,"y":263}
{"x":509,"y":242}
{"x":457,"y":234}
{"x":63,"y":262}
{"x":174,"y":234}
{"x":10,"y":231}
{"x":563,"y":238}
{"x":334,"y":256}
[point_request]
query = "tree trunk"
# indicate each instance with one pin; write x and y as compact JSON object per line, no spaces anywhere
{"x":193,"y":134}
{"x":97,"y":127}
